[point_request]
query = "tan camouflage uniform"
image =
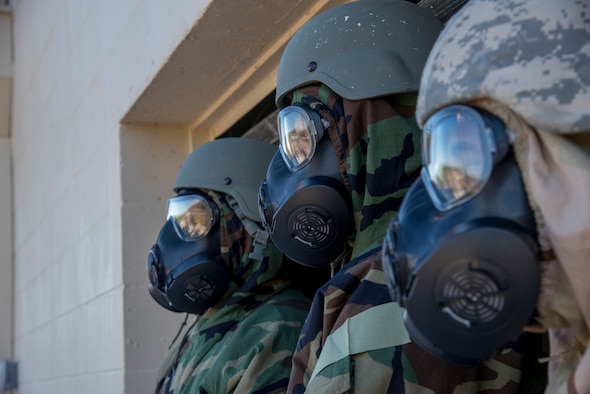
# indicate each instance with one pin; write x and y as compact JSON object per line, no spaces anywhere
{"x":528,"y":62}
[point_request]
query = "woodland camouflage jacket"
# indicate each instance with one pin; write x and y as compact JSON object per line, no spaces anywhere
{"x":354,"y":339}
{"x":244,"y":344}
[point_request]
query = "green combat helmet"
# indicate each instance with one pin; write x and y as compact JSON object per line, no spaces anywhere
{"x":234,"y":166}
{"x":360,"y":50}
{"x":188,"y":276}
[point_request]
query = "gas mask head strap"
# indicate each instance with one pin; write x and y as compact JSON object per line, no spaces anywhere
{"x":260,"y":236}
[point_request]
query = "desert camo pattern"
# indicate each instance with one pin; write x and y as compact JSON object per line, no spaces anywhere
{"x":532,"y":56}
{"x":377,"y":144}
{"x":528,"y":62}
{"x":244,"y":344}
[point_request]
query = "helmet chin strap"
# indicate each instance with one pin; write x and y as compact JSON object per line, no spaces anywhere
{"x":260,"y":236}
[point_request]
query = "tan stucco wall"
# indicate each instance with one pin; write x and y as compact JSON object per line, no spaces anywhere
{"x":99,"y":128}
{"x":79,"y":66}
{"x":151,"y":158}
{"x":5,"y":71}
{"x":5,"y":251}
{"x":6,"y":276}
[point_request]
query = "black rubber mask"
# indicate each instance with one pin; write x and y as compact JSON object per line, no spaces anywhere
{"x":186,"y":276}
{"x":467,"y":278}
{"x":307,"y":212}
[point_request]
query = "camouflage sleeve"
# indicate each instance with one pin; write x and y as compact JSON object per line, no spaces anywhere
{"x":515,"y":370}
{"x":253,"y":356}
{"x":349,"y":328}
{"x":308,"y":348}
{"x":354,"y":341}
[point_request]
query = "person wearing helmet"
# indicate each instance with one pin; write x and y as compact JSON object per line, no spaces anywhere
{"x":349,"y":147}
{"x":213,"y":260}
{"x":513,"y":78}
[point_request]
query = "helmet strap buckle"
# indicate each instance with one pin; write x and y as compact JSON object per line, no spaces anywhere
{"x":260,"y":235}
{"x":260,"y":241}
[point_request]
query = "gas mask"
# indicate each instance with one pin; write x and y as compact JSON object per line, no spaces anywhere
{"x":462,"y":257}
{"x":184,"y":266}
{"x":303,"y":202}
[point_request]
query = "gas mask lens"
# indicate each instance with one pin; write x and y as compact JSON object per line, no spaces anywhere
{"x":192,"y":216}
{"x":300,"y":129}
{"x":459,"y":149}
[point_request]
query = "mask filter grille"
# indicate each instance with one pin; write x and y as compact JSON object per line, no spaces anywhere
{"x":472,"y":296}
{"x":198,"y":288}
{"x":310,"y":227}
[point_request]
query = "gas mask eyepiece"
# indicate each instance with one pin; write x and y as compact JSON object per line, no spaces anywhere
{"x":300,"y":129}
{"x":192,"y":216}
{"x":460,"y":146}
{"x":462,"y":256}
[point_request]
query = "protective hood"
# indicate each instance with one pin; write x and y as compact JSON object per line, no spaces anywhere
{"x":377,"y":147}
{"x":530,"y":66}
{"x":533,"y":57}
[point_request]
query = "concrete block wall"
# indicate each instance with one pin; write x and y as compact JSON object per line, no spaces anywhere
{"x":83,"y":322}
{"x":6,"y":306}
{"x":151,"y":158}
{"x":5,"y":71}
{"x":6,"y":277}
{"x":108,"y":99}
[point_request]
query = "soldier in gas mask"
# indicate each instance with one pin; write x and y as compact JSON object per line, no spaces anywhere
{"x":213,"y":260}
{"x":494,"y":239}
{"x":349,"y":150}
